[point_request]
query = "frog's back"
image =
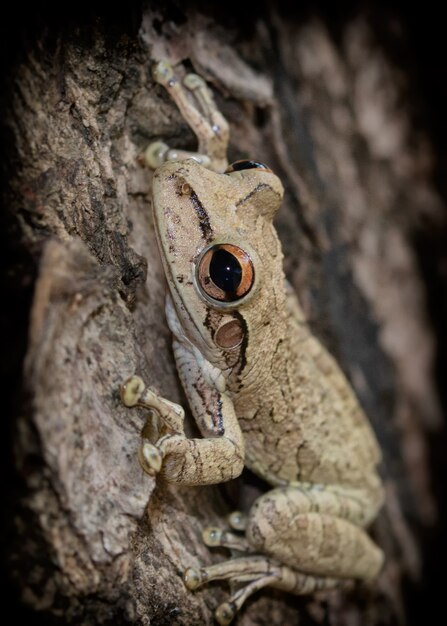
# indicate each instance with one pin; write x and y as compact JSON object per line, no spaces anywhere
{"x":304,"y":423}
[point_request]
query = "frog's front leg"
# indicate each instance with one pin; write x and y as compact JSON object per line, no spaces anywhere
{"x":311,"y":537}
{"x":216,"y":458}
{"x":195,"y":102}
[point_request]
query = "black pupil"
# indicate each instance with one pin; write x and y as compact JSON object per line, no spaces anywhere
{"x":225,"y":271}
{"x":247,"y":165}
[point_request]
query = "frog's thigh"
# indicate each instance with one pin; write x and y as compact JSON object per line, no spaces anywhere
{"x":311,"y":533}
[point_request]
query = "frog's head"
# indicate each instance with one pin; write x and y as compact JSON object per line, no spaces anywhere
{"x":221,"y":255}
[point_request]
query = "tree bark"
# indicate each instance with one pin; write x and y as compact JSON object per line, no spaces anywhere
{"x":93,"y":539}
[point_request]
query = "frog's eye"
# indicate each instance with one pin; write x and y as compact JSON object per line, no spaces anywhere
{"x":244,"y":164}
{"x":225,"y":273}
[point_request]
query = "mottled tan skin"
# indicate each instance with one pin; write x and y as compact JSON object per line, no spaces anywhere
{"x":277,"y":403}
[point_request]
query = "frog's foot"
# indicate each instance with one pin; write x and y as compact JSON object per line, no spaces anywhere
{"x":258,"y":572}
{"x":196,"y":104}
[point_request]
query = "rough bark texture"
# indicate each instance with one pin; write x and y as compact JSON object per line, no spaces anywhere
{"x":94,"y":540}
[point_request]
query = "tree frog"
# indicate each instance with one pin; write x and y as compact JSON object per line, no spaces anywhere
{"x":263,"y":390}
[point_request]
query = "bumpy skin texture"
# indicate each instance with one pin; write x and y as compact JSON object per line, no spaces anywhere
{"x":275,"y":400}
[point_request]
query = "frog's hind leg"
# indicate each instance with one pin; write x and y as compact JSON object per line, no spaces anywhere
{"x":300,"y":539}
{"x":315,"y":529}
{"x":258,"y":572}
{"x":196,"y":104}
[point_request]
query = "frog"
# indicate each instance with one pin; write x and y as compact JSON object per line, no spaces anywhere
{"x":263,"y":390}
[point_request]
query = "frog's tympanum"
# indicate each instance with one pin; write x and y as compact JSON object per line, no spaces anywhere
{"x":263,"y":390}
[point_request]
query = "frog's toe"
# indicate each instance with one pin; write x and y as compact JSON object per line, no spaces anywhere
{"x":212,"y":537}
{"x":162,"y":72}
{"x":194,"y":577}
{"x":193,"y":81}
{"x":237,"y":521}
{"x":151,"y":458}
{"x":131,"y":391}
{"x":155,"y":154}
{"x":225,"y":613}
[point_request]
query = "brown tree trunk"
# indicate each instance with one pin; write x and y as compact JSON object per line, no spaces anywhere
{"x":91,"y":539}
